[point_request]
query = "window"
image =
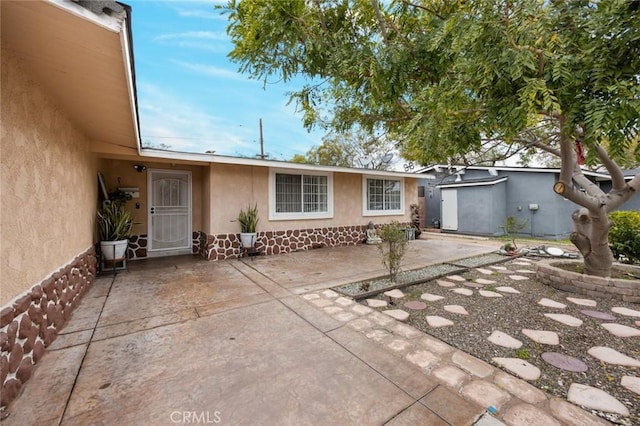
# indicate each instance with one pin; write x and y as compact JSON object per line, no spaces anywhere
{"x":383,"y":196}
{"x":300,"y":195}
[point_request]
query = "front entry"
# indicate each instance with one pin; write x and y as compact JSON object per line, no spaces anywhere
{"x":169,"y":215}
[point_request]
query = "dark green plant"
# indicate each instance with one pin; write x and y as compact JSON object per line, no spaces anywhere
{"x":393,"y":247}
{"x":248,"y":219}
{"x":114,"y":222}
{"x":523,"y":354}
{"x":624,"y":236}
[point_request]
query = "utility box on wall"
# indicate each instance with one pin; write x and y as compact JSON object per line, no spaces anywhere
{"x":133,"y":191}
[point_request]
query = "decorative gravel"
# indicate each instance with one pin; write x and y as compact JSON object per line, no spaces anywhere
{"x":474,"y":262}
{"x":514,"y":312}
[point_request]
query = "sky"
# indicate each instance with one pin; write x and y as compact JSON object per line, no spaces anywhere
{"x":191,"y":96}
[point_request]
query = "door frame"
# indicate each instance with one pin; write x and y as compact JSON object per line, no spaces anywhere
{"x":151,"y":252}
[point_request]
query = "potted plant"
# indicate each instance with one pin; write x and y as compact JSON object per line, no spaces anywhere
{"x":248,"y":220}
{"x":114,"y":225}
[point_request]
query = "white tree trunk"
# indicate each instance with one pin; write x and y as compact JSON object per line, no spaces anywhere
{"x":591,"y":237}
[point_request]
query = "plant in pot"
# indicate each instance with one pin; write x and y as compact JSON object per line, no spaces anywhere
{"x":114,"y":225}
{"x":248,"y":220}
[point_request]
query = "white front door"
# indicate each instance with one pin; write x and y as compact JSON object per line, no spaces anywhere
{"x":449,"y":209}
{"x":169,"y":219}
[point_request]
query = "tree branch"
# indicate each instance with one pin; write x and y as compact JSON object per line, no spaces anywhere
{"x":383,"y":28}
{"x":617,"y":177}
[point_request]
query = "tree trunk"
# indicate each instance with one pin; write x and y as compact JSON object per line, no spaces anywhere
{"x":591,"y":237}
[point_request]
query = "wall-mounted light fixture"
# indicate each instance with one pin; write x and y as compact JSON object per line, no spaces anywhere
{"x":139,"y":168}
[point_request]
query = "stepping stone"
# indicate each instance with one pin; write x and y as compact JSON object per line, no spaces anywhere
{"x":443,"y":283}
{"x":457,"y":278}
{"x":525,"y":271}
{"x":503,"y":339}
{"x":431,"y":297}
{"x":463,"y":291}
{"x":484,"y":271}
{"x":483,"y":281}
{"x":565,"y":319}
{"x":436,"y":321}
{"x":394,"y":294}
{"x":415,"y":305}
{"x":637,"y":323}
{"x":582,"y":302}
{"x":600,"y":315}
{"x":595,"y":399}
{"x":507,"y":289}
{"x":498,"y":268}
{"x":611,"y":356}
{"x":398,"y":314}
{"x":564,"y":362}
{"x":456,"y":309}
{"x":626,"y":312}
{"x":487,"y":293}
{"x":632,"y":383}
{"x":542,"y":336}
{"x":519,"y":367}
{"x":377,"y":303}
{"x":518,"y":277}
{"x":521,"y":263}
{"x":620,"y":330}
{"x":472,"y":284}
{"x":551,"y":303}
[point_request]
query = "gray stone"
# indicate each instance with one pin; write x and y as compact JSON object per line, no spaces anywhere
{"x":463,"y":291}
{"x":507,"y":289}
{"x":518,"y":277}
{"x":437,"y":321}
{"x":377,"y":303}
{"x":564,"y":362}
{"x":599,"y":315}
{"x":565,"y":319}
{"x":526,"y":414}
{"x":472,"y":364}
{"x":596,"y":399}
{"x":620,"y":330}
{"x":582,"y":302}
{"x":611,"y":356}
{"x":626,"y":311}
{"x":457,"y":278}
{"x":487,"y":293}
{"x":632,"y":383}
{"x":551,"y":303}
{"x":484,"y":281}
{"x":415,"y":305}
{"x":519,"y":388}
{"x":443,"y":283}
{"x":542,"y":336}
{"x":456,"y":309}
{"x":519,"y":367}
{"x":502,"y":339}
{"x":484,"y":271}
{"x":573,"y":415}
{"x":394,"y":294}
{"x":430,"y":297}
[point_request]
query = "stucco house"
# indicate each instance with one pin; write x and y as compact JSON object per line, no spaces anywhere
{"x":69,"y":115}
{"x":478,"y":200}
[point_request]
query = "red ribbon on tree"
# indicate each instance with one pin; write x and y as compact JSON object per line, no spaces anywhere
{"x":579,"y":153}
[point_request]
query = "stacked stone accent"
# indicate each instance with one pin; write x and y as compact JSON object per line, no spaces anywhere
{"x":195,"y":242}
{"x":33,"y":321}
{"x":225,"y":246}
{"x":573,"y":282}
{"x":137,"y":247}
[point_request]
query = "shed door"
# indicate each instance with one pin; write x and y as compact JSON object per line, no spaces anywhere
{"x":169,"y":210}
{"x":449,"y":209}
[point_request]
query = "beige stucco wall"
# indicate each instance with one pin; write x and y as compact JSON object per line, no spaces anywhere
{"x":47,"y":184}
{"x":235,"y":187}
{"x":120,"y":173}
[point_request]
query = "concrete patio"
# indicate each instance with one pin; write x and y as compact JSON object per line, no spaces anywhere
{"x":181,"y":340}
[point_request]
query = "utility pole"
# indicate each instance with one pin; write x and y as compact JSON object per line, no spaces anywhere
{"x":262,"y":154}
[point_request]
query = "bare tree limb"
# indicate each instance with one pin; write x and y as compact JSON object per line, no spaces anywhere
{"x":617,"y":177}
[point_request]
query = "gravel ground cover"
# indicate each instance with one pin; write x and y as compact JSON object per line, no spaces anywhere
{"x":512,"y":313}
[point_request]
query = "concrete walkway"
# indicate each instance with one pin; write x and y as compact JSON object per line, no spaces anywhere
{"x":180,"y":340}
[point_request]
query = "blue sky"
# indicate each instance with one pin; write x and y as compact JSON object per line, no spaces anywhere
{"x":190,"y":95}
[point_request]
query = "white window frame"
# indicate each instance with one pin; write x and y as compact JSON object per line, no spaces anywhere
{"x":273,"y":215}
{"x":365,"y":201}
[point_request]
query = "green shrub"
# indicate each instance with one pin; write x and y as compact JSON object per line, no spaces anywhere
{"x":624,"y":236}
{"x":393,"y":247}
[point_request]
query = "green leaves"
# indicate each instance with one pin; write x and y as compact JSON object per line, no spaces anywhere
{"x":114,"y":222}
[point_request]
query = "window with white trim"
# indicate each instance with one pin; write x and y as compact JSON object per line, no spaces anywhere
{"x":383,"y":196}
{"x":300,"y":195}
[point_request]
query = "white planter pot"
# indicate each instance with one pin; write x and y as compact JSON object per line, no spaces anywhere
{"x":114,"y":249}
{"x":248,"y":239}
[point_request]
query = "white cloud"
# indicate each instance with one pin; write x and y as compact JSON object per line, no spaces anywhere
{"x":211,"y":71}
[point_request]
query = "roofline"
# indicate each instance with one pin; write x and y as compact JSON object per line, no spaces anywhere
{"x":510,"y":169}
{"x":463,"y":183}
{"x":127,"y":44}
{"x":243,"y":161}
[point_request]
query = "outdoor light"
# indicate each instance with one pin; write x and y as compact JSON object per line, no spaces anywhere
{"x":139,"y":168}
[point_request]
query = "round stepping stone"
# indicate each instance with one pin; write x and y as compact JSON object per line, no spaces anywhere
{"x":519,"y":367}
{"x":456,"y":309}
{"x":485,"y":282}
{"x":595,"y":399}
{"x":507,"y":289}
{"x":551,"y":303}
{"x":484,"y":271}
{"x":443,"y":283}
{"x":565,"y":319}
{"x":503,"y":339}
{"x":431,"y":297}
{"x":582,"y":302}
{"x":626,"y":312}
{"x":394,"y":294}
{"x":600,"y":315}
{"x":457,"y":278}
{"x":542,"y":336}
{"x":377,"y":303}
{"x":564,"y":362}
{"x":487,"y":293}
{"x":436,"y":321}
{"x":632,"y":383}
{"x":415,"y":305}
{"x":398,"y":314}
{"x":463,"y":291}
{"x":518,"y":277}
{"x":611,"y":356}
{"x":620,"y":330}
